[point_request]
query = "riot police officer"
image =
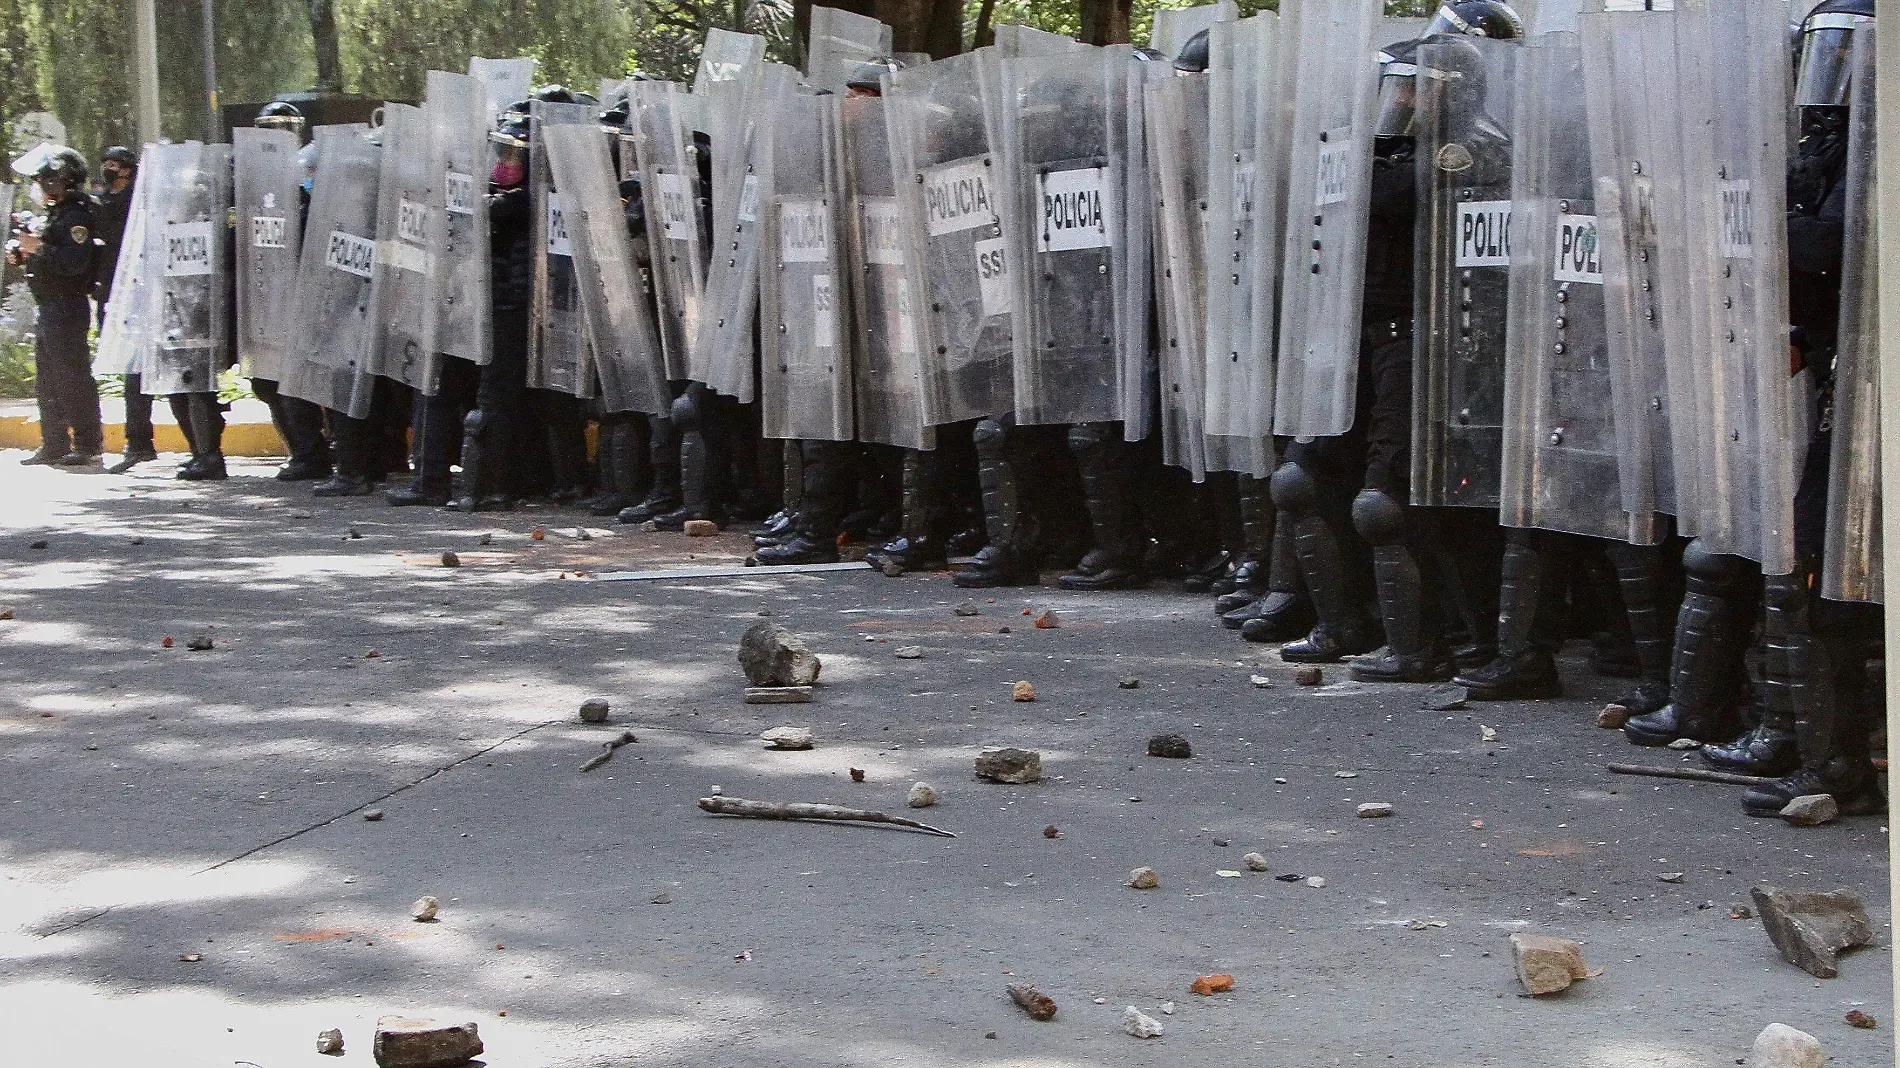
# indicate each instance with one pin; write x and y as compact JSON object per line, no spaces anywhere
{"x":118,"y":175}
{"x":61,"y":261}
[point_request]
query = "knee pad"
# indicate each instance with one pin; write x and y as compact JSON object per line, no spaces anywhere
{"x":473,"y":422}
{"x":1086,"y":436}
{"x":989,"y":437}
{"x":1713,"y":572}
{"x":1378,"y":517}
{"x":1293,"y":489}
{"x":1785,"y":593}
{"x":685,"y":414}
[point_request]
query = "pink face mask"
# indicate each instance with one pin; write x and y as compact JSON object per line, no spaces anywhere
{"x":507,"y":173}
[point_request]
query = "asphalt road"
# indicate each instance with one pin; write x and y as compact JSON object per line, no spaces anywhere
{"x":163,"y":803}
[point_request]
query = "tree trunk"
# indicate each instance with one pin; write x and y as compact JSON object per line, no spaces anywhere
{"x":985,"y":32}
{"x":1106,"y":22}
{"x":323,"y":35}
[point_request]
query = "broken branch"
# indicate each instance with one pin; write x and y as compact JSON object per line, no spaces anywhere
{"x":625,"y":738}
{"x":1693,"y":774}
{"x":801,"y":810}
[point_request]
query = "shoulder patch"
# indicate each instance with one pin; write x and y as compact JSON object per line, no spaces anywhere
{"x":80,"y":235}
{"x":1455,"y":157}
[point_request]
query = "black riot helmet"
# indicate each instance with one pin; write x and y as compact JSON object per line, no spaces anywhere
{"x":613,"y":117}
{"x":1451,"y":72}
{"x":121,"y":155}
{"x":1477,"y":18}
{"x":61,"y":164}
{"x":280,"y":115}
{"x":1398,"y":90}
{"x":1824,"y":65}
{"x":867,"y":79}
{"x":513,"y":127}
{"x":1193,"y":57}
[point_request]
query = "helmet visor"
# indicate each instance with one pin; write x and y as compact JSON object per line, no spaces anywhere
{"x":1827,"y":42}
{"x":1398,"y":99}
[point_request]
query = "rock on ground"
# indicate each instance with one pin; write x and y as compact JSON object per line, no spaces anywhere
{"x":1376,"y":810}
{"x":1811,"y":929}
{"x":1781,"y":1046}
{"x":1144,"y":879}
{"x":922,"y":795}
{"x":1009,"y":764}
{"x":1023,"y":691}
{"x":424,"y":909}
{"x":1811,"y":810}
{"x":402,"y":1042}
{"x":774,"y":656}
{"x":1613,"y":717}
{"x":330,"y":1041}
{"x":1255,"y":862}
{"x":594,"y":710}
{"x":788,"y":737}
{"x":1171,"y":746}
{"x":1037,"y":1004}
{"x":1140,"y":1024}
{"x":1308,"y":676}
{"x":1546,"y":965}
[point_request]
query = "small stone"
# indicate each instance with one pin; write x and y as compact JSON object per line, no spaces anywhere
{"x":1260,"y":682}
{"x":1289,"y":877}
{"x":1375,"y":810}
{"x":1811,"y":810}
{"x":1212,"y":984}
{"x":773,"y":656}
{"x":1487,"y":734}
{"x":1546,"y":965}
{"x":138,"y":541}
{"x":1227,"y":873}
{"x":1129,"y":683}
{"x":166,"y":641}
{"x":1144,"y":879}
{"x":1220,"y":843}
{"x":538,"y":535}
{"x":1811,"y":929}
{"x":6,"y":611}
{"x":788,"y":738}
{"x":486,"y":539}
{"x":353,"y":534}
{"x":1685,"y":744}
{"x":1167,"y":1008}
{"x":1008,"y":764}
{"x":778,"y":695}
{"x":1670,"y":877}
{"x":1345,"y":775}
{"x":1170,"y":746}
{"x":423,"y":911}
{"x":661,"y":898}
{"x":1048,"y":620}
{"x":1308,"y":675}
{"x":1445,"y":698}
{"x":330,"y":1042}
{"x":967,"y":608}
{"x":302,"y":513}
{"x":1317,"y":882}
{"x":922,"y":795}
{"x":594,"y":710}
{"x":1022,"y":691}
{"x":449,"y":559}
{"x":1002,"y":630}
{"x":857,"y":774}
{"x":373,"y":815}
{"x":1052,"y":831}
{"x":1255,"y":862}
{"x":1140,"y":1024}
{"x":909,"y":652}
{"x":198,"y":643}
{"x":1037,"y":1004}
{"x":701,"y":528}
{"x":1781,"y":1046}
{"x":1612,"y":717}
{"x":1740,"y":912}
{"x":1861,"y":1019}
{"x":402,"y":1042}
{"x":583,"y":534}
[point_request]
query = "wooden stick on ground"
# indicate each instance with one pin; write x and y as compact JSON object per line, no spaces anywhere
{"x":1695,"y":774}
{"x":625,"y":738}
{"x":800,"y":810}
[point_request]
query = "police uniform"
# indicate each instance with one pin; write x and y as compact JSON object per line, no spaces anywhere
{"x":60,"y":275}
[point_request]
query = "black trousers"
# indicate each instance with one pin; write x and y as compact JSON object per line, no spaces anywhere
{"x":68,"y":397}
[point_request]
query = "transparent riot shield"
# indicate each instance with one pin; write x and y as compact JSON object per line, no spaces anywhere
{"x":725,"y":57}
{"x":457,"y":114}
{"x":1177,"y":169}
{"x":887,"y":369}
{"x":1248,"y":77}
{"x":1013,"y":40}
{"x":404,"y":322}
{"x":659,"y":116}
{"x":185,"y":245}
{"x":722,"y":348}
{"x":617,"y":318}
{"x":1465,"y":89}
{"x":1735,"y":97}
{"x":1636,"y":149}
{"x":1065,"y":181}
{"x":1135,"y":304}
{"x":1173,"y":27}
{"x":805,"y":359}
{"x":1329,"y":181}
{"x":333,"y":333}
{"x":503,"y":81}
{"x":1851,"y":568}
{"x":1560,"y":462}
{"x":839,"y":42}
{"x":558,"y":357}
{"x":955,"y":250}
{"x":126,"y":335}
{"x":269,"y":236}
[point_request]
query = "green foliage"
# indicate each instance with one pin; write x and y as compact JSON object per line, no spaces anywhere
{"x":17,"y":372}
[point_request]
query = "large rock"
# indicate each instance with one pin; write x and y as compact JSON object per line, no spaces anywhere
{"x":774,"y":656}
{"x":1546,"y":965}
{"x":788,"y":737}
{"x":1006,"y":763}
{"x":1811,"y":810}
{"x":1810,"y":929}
{"x":402,"y":1042}
{"x":1781,"y":1046}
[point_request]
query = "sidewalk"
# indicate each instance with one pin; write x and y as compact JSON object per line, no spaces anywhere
{"x":247,"y":427}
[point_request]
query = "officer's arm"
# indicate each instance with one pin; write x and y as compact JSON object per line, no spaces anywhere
{"x":68,"y":249}
{"x":1815,"y":242}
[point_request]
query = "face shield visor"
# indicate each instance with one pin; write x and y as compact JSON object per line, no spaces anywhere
{"x":1827,"y":43}
{"x":508,"y":164}
{"x":1398,"y":98}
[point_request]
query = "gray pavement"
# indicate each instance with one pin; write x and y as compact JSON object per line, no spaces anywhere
{"x":163,"y":803}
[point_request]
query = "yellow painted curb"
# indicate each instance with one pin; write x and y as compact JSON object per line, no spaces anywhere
{"x":240,"y":439}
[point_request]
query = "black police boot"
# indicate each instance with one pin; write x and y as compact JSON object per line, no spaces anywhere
{"x":44,"y":457}
{"x":623,"y":466}
{"x":1640,"y":579}
{"x":695,"y":487}
{"x":663,"y":496}
{"x":1832,"y":723}
{"x":826,"y":478}
{"x":1524,"y":669}
{"x":207,"y":457}
{"x":1706,"y":674}
{"x":567,"y":461}
{"x":801,"y":548}
{"x":133,"y":457}
{"x":481,"y":490}
{"x":1008,"y":560}
{"x":1115,"y":561}
{"x":776,"y":528}
{"x":1411,"y":653}
{"x":1286,"y":612}
{"x":1791,"y":660}
{"x":1342,"y":629}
